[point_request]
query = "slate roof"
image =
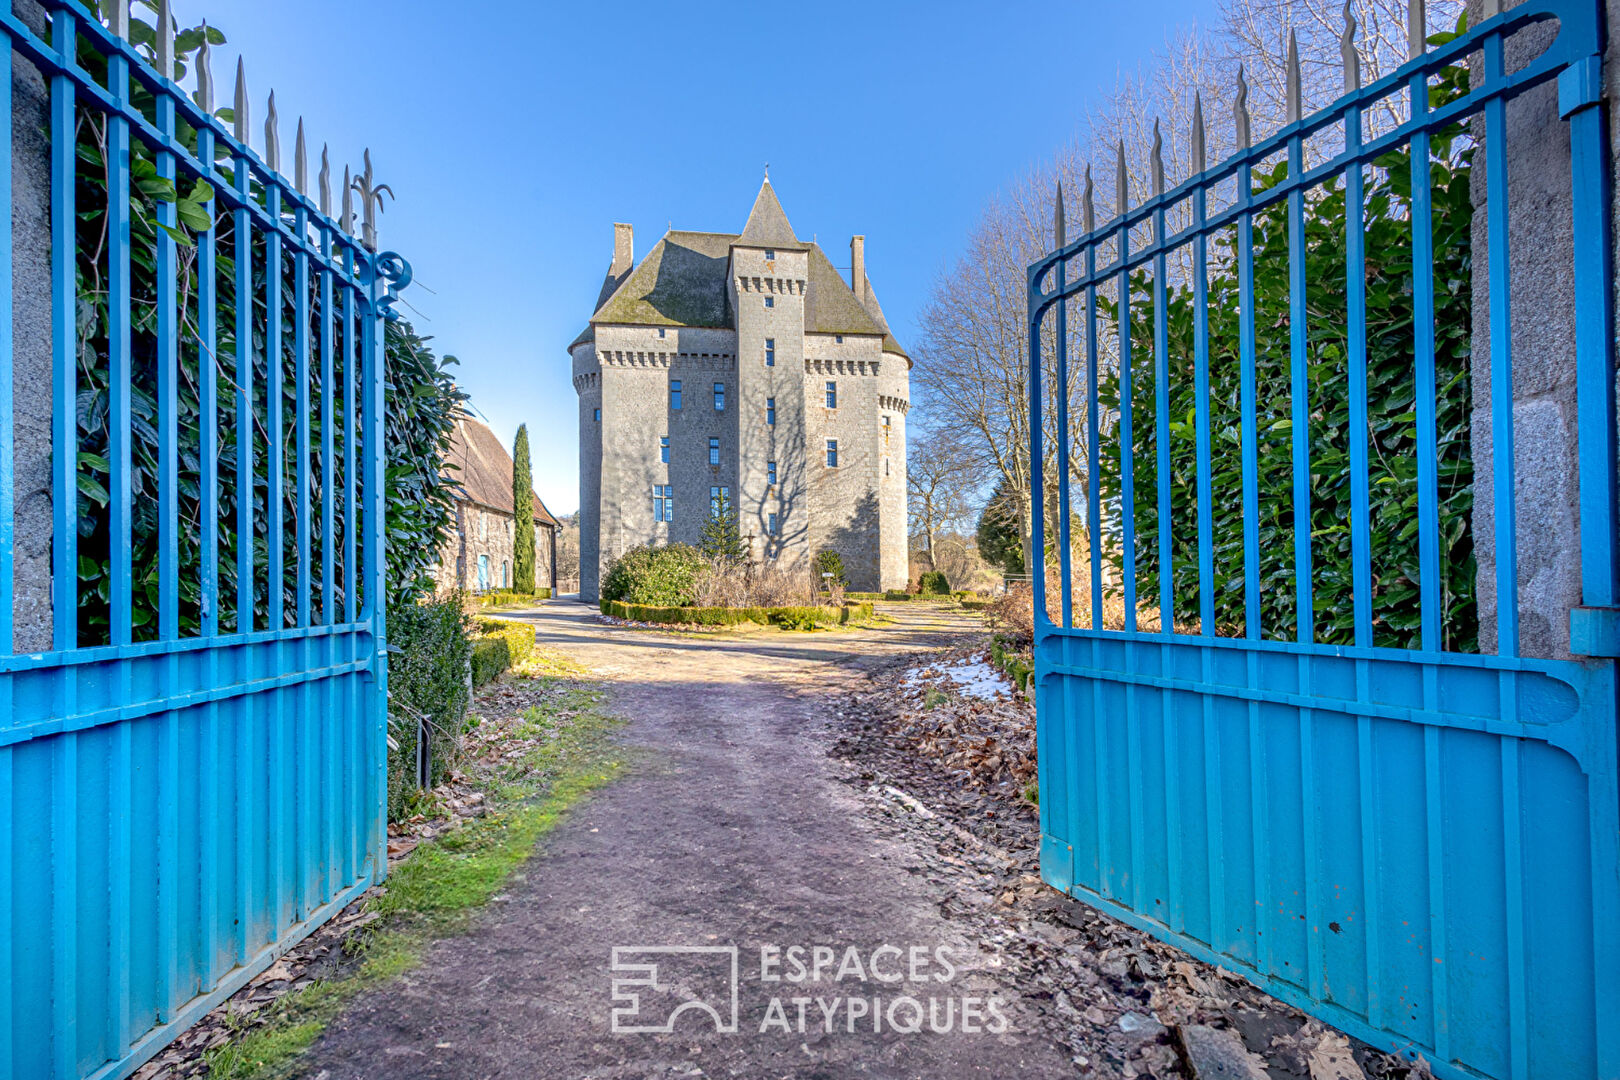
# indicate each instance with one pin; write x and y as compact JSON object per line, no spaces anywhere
{"x":484,"y":467}
{"x":683,"y":281}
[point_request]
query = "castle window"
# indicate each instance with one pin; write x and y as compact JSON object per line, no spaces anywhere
{"x":770,"y":473}
{"x":770,"y":301}
{"x":598,"y":416}
{"x":719,"y":500}
{"x":885,"y":466}
{"x":663,"y":502}
{"x":886,"y":430}
{"x":832,"y":394}
{"x":770,"y":411}
{"x":839,"y":338}
{"x":719,"y":397}
{"x":675,"y":393}
{"x":770,"y":256}
{"x":663,"y":449}
{"x":770,"y":525}
{"x":714,"y":450}
{"x":660,"y":331}
{"x":832,"y":453}
{"x":770,"y":352}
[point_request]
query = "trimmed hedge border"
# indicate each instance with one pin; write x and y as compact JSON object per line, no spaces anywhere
{"x":499,"y":644}
{"x":1017,"y":670}
{"x":727,"y":616}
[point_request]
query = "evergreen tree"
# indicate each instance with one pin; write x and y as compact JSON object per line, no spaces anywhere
{"x":722,"y":537}
{"x":999,"y":539}
{"x":523,"y":514}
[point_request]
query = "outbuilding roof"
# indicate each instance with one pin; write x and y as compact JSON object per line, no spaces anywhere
{"x":484,"y":467}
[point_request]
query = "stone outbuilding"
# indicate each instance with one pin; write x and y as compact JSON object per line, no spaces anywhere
{"x":742,"y":370}
{"x":477,"y":556}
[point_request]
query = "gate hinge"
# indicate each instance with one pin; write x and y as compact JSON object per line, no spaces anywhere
{"x":1580,"y":85}
{"x":1594,"y":631}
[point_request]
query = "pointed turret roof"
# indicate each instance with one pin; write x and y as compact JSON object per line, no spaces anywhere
{"x":767,"y":225}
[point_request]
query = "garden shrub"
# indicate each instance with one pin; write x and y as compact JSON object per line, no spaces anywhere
{"x":933,"y":583}
{"x":427,"y":680}
{"x":665,"y":576}
{"x":490,"y":657}
{"x":830,"y":562}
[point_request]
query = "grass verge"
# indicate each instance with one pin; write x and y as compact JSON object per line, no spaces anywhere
{"x":436,"y":890}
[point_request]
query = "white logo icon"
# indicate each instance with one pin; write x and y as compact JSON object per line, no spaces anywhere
{"x":660,"y":982}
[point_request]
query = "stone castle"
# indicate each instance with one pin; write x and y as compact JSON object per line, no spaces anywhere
{"x":742,"y":367}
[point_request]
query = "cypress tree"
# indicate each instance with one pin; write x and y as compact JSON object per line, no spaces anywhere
{"x":523,"y":514}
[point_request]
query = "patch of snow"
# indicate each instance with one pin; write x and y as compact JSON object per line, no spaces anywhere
{"x":974,"y":678}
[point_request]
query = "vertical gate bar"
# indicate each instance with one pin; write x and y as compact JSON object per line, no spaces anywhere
{"x":372,"y":360}
{"x":1093,"y":451}
{"x":65,"y":898}
{"x":301,"y":377}
{"x":1433,"y":796}
{"x":8,"y":878}
{"x":1299,"y":394}
{"x":1206,"y":527}
{"x":1035,"y":558}
{"x":1127,"y":479}
{"x":1134,"y":780}
{"x":1502,"y":463}
{"x":7,"y":469}
{"x":350,"y":438}
{"x":1355,"y":244}
{"x":1066,"y":587}
{"x":242,"y":370}
{"x":1428,"y":493}
{"x":1247,"y":423}
{"x":168,"y":392}
{"x":1214,"y":816}
{"x":64,"y":344}
{"x":1259,"y":828}
{"x":1315,"y":980}
{"x":208,"y":395}
{"x":328,"y":440}
{"x":1367,"y":781}
{"x":1161,"y":427}
{"x":1513,"y":877}
{"x":1600,"y":558}
{"x":1176,"y":916}
{"x":1105,"y":825}
{"x":119,"y":379}
{"x":275,"y":452}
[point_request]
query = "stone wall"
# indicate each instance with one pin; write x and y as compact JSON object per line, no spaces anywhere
{"x":482,"y":530}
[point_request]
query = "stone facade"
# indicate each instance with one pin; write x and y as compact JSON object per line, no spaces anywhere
{"x":478,"y":554}
{"x":707,"y":367}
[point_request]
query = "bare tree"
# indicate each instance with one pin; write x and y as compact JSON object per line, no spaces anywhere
{"x":943,"y":480}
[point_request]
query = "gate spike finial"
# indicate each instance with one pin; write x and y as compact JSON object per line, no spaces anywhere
{"x":205,"y":74}
{"x":346,"y":219}
{"x":1120,"y":182}
{"x":300,"y":161}
{"x":1058,"y":229}
{"x":118,"y":18}
{"x":1416,"y":34}
{"x":1296,"y":109}
{"x":240,"y":109}
{"x":1088,"y":209}
{"x":1347,"y":50}
{"x":1157,"y":157}
{"x":324,"y":178}
{"x":272,"y":141}
{"x":165,"y":40}
{"x":1198,"y":163}
{"x":1240,"y":111}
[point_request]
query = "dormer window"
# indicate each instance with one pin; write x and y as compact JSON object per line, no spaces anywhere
{"x":770,"y":256}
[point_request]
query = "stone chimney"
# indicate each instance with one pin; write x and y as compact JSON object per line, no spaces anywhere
{"x":857,"y":267}
{"x":624,"y":249}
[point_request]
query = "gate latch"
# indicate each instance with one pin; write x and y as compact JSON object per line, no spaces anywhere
{"x":1594,"y":631}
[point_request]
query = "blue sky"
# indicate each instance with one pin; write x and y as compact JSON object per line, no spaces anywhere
{"x":516,"y":133}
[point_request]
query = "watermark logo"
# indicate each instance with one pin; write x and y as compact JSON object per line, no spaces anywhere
{"x":801,"y":989}
{"x":656,"y":984}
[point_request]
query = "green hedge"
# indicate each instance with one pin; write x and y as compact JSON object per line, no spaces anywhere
{"x":862,"y":595}
{"x":500,"y":644}
{"x":933,"y":583}
{"x":1017,"y":668}
{"x":506,"y":597}
{"x":427,"y":677}
{"x":656,"y":576}
{"x":726,"y":616}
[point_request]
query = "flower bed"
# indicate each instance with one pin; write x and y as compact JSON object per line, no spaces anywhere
{"x":731,"y":616}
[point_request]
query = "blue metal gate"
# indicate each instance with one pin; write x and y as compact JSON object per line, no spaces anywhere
{"x":192,"y":776}
{"x":1408,"y":836}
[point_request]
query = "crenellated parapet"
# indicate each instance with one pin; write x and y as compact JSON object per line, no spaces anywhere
{"x":768,"y":285}
{"x":638,"y":359}
{"x":841,"y":367}
{"x":898,"y":404}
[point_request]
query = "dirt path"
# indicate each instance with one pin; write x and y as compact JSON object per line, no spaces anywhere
{"x":730,"y":828}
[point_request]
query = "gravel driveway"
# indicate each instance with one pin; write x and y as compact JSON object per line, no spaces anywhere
{"x":731,"y":828}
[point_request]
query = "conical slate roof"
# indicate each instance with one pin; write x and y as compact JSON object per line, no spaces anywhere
{"x":767,"y":225}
